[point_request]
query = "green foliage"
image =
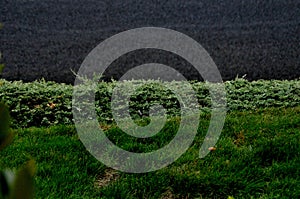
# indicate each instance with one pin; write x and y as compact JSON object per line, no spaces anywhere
{"x":37,"y":104}
{"x":43,"y":103}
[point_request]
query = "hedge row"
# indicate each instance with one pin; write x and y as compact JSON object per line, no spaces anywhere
{"x":43,"y":103}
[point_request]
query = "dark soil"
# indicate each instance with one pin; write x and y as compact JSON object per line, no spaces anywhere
{"x":47,"y":38}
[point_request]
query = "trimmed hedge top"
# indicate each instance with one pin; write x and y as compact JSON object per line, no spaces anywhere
{"x":43,"y":103}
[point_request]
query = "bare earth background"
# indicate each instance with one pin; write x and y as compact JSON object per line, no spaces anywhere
{"x":47,"y":38}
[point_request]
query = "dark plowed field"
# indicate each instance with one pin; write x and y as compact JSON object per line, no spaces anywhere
{"x":47,"y":38}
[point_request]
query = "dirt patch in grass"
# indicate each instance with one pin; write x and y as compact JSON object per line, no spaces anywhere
{"x":168,"y":195}
{"x":104,"y":179}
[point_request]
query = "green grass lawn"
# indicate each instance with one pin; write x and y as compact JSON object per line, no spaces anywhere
{"x":257,"y":156}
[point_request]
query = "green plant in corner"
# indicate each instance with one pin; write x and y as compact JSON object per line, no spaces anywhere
{"x":19,"y":185}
